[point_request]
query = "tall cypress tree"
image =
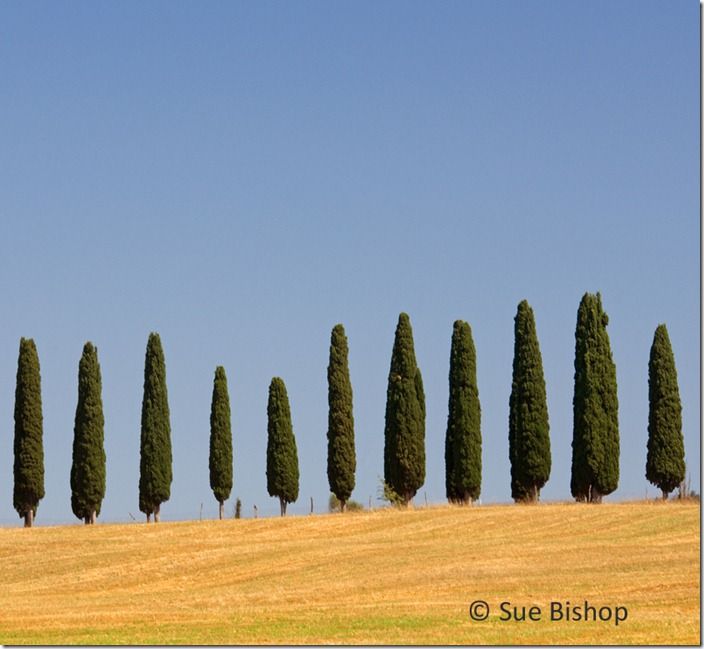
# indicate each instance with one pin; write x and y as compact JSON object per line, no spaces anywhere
{"x":463,"y":439}
{"x":28,"y":445}
{"x":220,"y":441}
{"x":88,"y":468}
{"x":155,"y":471}
{"x":281,"y":454}
{"x":665,"y":466}
{"x":529,"y":430}
{"x":404,"y":432}
{"x":341,"y":453}
{"x":595,"y":442}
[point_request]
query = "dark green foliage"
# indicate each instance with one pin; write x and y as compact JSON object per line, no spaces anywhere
{"x":281,"y":454}
{"x":238,"y":508}
{"x":220,"y":440}
{"x":665,"y":465}
{"x":404,"y":432}
{"x":155,"y":472}
{"x":595,"y":442}
{"x":420,"y":396}
{"x":341,"y":453}
{"x":529,"y":430}
{"x":463,"y":439}
{"x":28,"y":445}
{"x":88,"y":469}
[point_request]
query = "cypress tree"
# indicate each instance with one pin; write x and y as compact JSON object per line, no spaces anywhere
{"x":665,"y":466}
{"x":155,"y":472}
{"x":463,"y":439}
{"x":28,"y":444}
{"x":281,"y":454}
{"x":595,"y":442}
{"x":529,"y":430}
{"x":88,"y":468}
{"x":341,"y":453}
{"x":220,"y":441}
{"x":404,"y":431}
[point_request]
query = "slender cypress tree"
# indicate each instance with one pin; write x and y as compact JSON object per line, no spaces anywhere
{"x":155,"y":472}
{"x":88,"y":468}
{"x":28,"y":445}
{"x":529,"y":430}
{"x":404,"y":432}
{"x":595,"y":442}
{"x":281,"y":455}
{"x":220,"y":441}
{"x":463,"y":439}
{"x":342,"y":461}
{"x":665,"y":466}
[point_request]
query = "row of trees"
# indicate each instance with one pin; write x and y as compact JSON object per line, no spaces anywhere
{"x":595,"y":444}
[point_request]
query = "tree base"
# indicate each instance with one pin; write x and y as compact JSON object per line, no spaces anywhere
{"x":591,"y":496}
{"x":531,"y":497}
{"x":462,"y":500}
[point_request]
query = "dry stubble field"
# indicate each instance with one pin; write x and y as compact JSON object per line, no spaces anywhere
{"x":379,"y":577}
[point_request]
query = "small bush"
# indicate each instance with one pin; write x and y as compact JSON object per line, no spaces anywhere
{"x":352,"y":505}
{"x":387,"y":494}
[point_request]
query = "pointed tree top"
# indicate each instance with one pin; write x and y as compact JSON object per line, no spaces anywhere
{"x":661,"y":332}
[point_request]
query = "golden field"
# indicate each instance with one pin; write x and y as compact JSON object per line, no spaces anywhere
{"x":381,"y":577}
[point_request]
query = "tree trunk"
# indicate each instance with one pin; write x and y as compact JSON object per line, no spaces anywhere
{"x":149,"y":517}
{"x":29,"y":518}
{"x":282,"y":502}
{"x":665,"y":494}
{"x":530,"y":497}
{"x":156,"y":513}
{"x":93,"y":516}
{"x":86,"y":519}
{"x":594,"y":495}
{"x":343,"y":506}
{"x":222,"y":509}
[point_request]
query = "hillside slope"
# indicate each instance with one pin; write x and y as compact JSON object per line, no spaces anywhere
{"x":379,"y":577}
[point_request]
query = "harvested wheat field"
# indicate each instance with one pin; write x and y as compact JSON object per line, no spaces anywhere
{"x":370,"y":577}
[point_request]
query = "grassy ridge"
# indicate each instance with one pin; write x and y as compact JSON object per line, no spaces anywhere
{"x":380,"y":577}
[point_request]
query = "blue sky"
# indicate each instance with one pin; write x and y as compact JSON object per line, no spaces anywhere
{"x":241,"y":176}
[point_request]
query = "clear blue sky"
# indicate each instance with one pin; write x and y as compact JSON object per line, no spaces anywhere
{"x":241,"y":176}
